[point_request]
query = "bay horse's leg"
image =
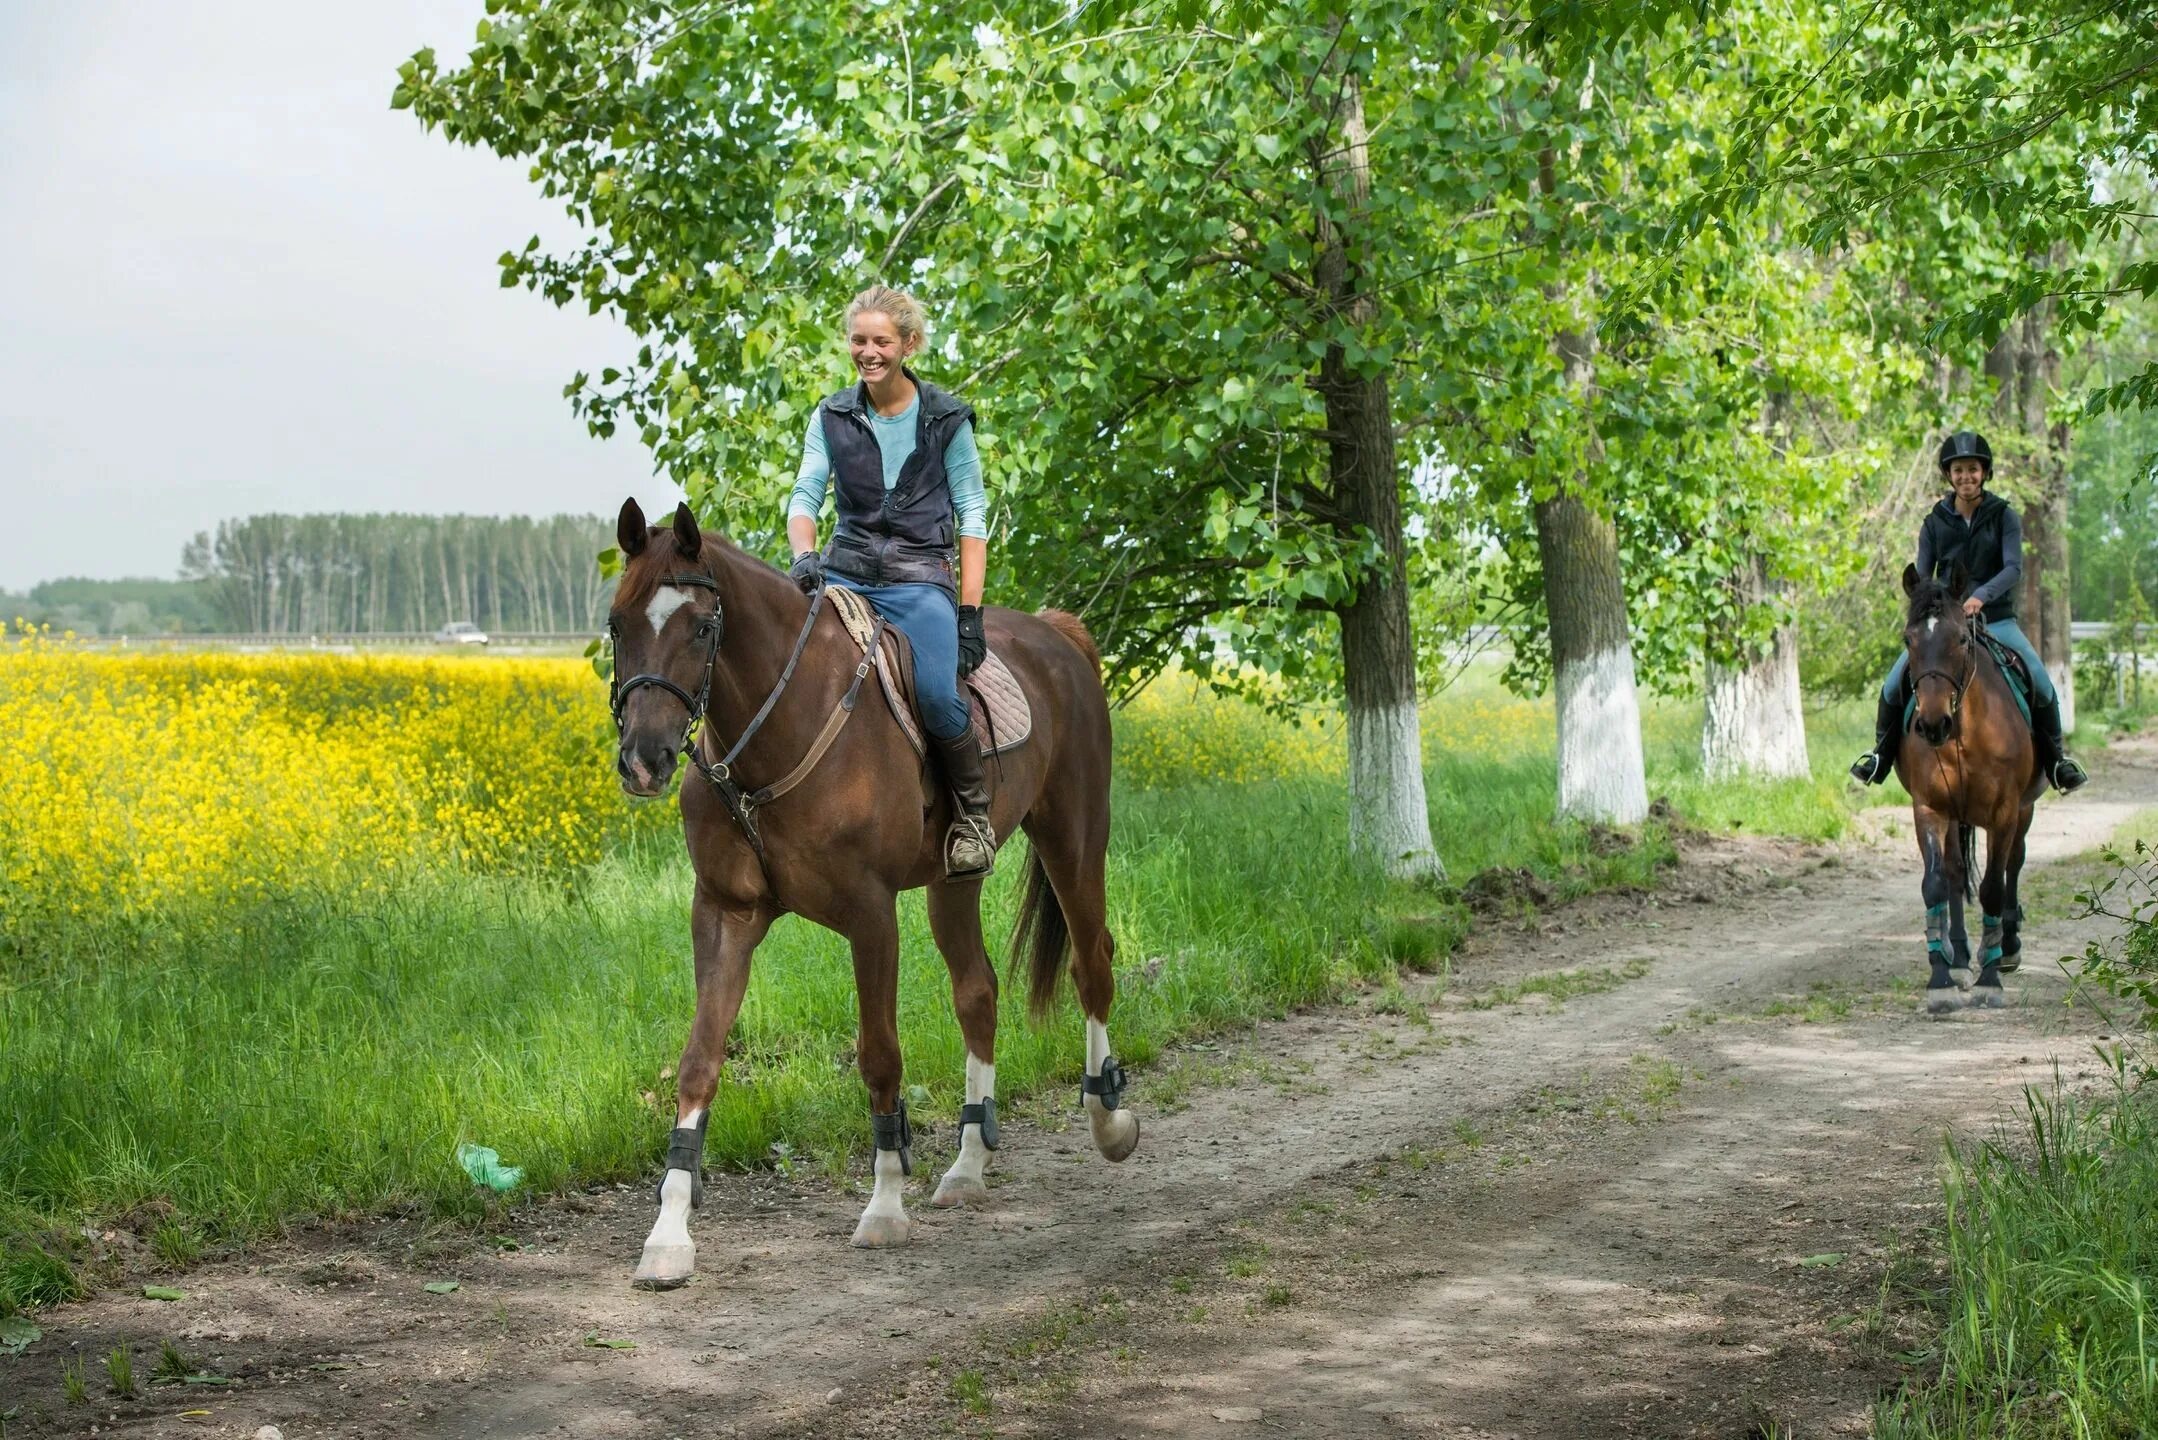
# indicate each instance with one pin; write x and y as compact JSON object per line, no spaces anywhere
{"x":955,"y":918}
{"x":1961,"y":841}
{"x":1937,"y":839}
{"x":876,"y":1052}
{"x":2012,"y":902}
{"x":723,"y":941}
{"x":1988,"y":994}
{"x":1075,"y":864}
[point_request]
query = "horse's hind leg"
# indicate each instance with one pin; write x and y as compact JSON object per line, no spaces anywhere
{"x":955,"y":918}
{"x":876,"y":989}
{"x":723,"y":943}
{"x":1074,"y":864}
{"x":2012,"y":902}
{"x":1936,"y":838}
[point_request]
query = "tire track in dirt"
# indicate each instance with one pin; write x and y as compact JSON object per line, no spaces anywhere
{"x":1528,"y":1219}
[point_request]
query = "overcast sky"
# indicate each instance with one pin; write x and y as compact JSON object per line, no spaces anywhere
{"x":232,"y":280}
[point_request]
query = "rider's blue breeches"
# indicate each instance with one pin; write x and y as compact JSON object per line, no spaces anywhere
{"x":2009,"y":633}
{"x":926,"y":615}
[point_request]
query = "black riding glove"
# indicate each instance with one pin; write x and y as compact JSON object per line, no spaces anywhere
{"x":973,"y":648}
{"x":807,"y":571}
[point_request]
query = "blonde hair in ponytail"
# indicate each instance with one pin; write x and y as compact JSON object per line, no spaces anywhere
{"x":903,"y":310}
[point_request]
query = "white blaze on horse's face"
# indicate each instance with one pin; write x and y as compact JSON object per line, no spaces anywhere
{"x":665,"y":601}
{"x":1933,"y":623}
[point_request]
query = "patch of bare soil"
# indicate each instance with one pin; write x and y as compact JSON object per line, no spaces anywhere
{"x":1655,"y":1165}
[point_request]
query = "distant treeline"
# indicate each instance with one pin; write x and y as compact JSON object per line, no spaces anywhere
{"x":362,"y":574}
{"x":116,"y":607}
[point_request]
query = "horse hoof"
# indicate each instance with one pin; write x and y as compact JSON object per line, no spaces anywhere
{"x":1961,"y":974}
{"x":2009,"y":963}
{"x":1941,"y":1002}
{"x":959,"y":1190}
{"x":665,"y":1267}
{"x":1116,"y":1133}
{"x":878,"y":1231}
{"x":1989,"y":997}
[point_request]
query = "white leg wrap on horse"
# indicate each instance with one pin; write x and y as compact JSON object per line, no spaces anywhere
{"x":963,"y":1184}
{"x":884,"y":1221}
{"x":1116,"y":1132}
{"x":670,"y":1256}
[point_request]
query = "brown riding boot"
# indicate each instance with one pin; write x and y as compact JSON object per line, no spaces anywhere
{"x":970,"y":847}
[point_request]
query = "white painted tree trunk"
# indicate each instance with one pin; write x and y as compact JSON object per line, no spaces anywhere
{"x":1753,"y":723}
{"x":1388,"y":820}
{"x":1600,"y":774}
{"x":2064,"y":683}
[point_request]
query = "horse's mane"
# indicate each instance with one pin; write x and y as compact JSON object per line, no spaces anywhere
{"x":643,"y":574}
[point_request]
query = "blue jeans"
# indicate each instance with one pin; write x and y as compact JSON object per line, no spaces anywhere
{"x":926,"y":615}
{"x":2009,"y":633}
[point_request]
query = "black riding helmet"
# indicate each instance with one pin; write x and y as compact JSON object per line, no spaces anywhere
{"x":1967,"y":445}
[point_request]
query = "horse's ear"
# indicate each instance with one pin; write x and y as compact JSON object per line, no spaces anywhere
{"x":688,"y":540}
{"x":1910,"y":579}
{"x":630,"y":531}
{"x":1959,"y":581}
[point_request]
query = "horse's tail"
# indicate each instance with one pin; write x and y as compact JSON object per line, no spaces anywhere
{"x":1043,"y":934}
{"x":1072,"y":628}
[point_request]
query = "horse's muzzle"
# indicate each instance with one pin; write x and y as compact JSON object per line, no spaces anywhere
{"x":1934,"y":730}
{"x":645,"y":769}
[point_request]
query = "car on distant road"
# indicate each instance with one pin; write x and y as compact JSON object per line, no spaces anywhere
{"x":460,"y":632}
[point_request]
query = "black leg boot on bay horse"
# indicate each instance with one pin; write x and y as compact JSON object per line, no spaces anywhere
{"x":1877,"y":764}
{"x":970,"y":847}
{"x":2053,"y":762}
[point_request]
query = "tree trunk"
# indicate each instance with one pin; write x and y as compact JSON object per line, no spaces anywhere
{"x":1753,"y":723}
{"x":1388,"y":819}
{"x":1600,"y":768}
{"x":2026,"y":363}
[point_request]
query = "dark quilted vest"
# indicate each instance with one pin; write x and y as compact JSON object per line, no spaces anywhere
{"x":904,"y":535}
{"x":1978,"y":547}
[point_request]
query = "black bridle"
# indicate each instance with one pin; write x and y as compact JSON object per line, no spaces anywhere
{"x":1970,"y":670}
{"x":744,"y":804}
{"x":713,"y":629}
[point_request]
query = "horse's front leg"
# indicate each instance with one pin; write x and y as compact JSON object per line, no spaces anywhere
{"x":876,"y":989}
{"x":723,"y":940}
{"x":955,"y":918}
{"x":1959,"y":872}
{"x":1988,"y":994}
{"x":1936,"y":838}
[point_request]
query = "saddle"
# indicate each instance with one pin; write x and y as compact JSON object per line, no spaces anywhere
{"x":2012,"y":666}
{"x":1002,"y":717}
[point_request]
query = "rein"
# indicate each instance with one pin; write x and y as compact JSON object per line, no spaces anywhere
{"x":744,"y":804}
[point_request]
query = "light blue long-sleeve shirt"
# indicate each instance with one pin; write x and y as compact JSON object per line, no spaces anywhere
{"x":895,"y":442}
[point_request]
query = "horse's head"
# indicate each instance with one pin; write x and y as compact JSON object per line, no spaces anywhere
{"x":1938,"y":639}
{"x":666,"y":624}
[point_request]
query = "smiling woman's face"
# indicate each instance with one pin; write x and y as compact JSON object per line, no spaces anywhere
{"x":873,"y":340}
{"x":1968,"y":477}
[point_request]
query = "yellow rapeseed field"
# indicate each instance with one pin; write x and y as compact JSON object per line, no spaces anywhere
{"x":131,"y":784}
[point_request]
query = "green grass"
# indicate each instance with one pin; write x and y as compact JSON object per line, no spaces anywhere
{"x":2051,"y":1317}
{"x":209,"y":1076}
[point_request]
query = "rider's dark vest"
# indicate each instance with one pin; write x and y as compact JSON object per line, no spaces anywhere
{"x":1977,"y":545}
{"x":903,"y":535}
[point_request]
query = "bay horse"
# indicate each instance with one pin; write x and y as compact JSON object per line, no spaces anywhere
{"x":720,"y":659}
{"x":1969,"y":762}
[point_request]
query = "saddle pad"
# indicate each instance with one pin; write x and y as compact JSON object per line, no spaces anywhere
{"x":998,"y":705}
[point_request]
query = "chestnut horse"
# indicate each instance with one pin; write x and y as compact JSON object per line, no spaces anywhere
{"x":718,"y":656}
{"x":1969,"y":762}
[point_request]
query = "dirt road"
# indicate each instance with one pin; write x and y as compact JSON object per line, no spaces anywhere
{"x":1670,"y":1193}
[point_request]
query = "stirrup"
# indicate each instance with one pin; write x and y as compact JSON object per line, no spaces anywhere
{"x":970,"y":847}
{"x":1871,"y":768}
{"x":2068,"y":775}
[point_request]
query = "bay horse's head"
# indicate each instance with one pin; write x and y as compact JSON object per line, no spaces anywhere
{"x":1938,"y":638}
{"x":666,"y":625}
